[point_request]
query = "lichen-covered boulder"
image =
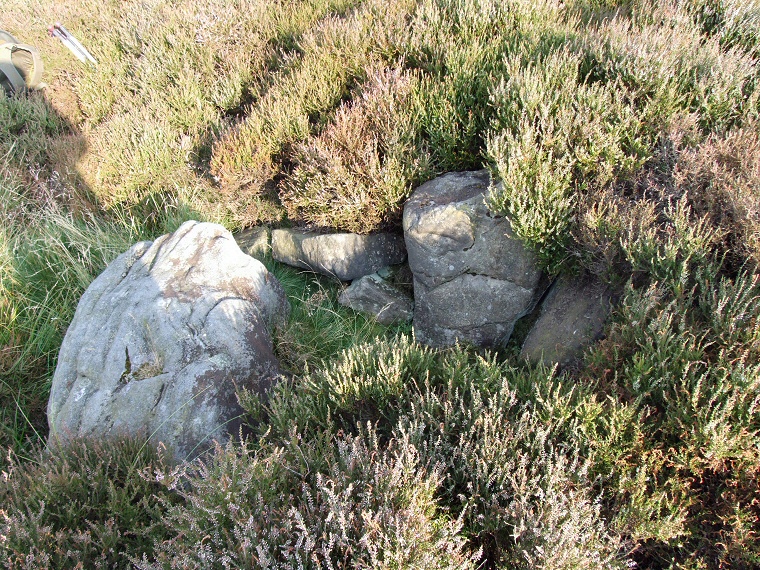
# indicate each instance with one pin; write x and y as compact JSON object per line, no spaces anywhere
{"x":472,"y":277}
{"x":572,"y":315}
{"x":161,"y":340}
{"x":343,"y":255}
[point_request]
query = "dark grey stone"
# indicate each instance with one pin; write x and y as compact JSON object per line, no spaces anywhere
{"x":254,"y":242}
{"x":473,"y":278}
{"x":573,"y":315}
{"x":343,"y":255}
{"x":476,"y":309}
{"x":373,"y":295}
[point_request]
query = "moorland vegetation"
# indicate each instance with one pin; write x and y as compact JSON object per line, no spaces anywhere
{"x":625,"y":133}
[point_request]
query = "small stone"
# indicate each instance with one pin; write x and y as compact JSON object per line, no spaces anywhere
{"x":373,"y":295}
{"x":254,"y":242}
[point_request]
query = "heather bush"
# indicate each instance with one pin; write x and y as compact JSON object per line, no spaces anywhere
{"x":702,"y":398}
{"x":589,"y":114}
{"x":548,"y":149}
{"x":83,"y":507}
{"x":508,"y":440}
{"x":721,"y":177}
{"x":669,"y":65}
{"x":356,"y":173}
{"x":458,"y":47}
{"x":335,"y":56}
{"x":685,"y":348}
{"x":705,"y":184}
{"x":314,"y":502}
{"x":734,"y":23}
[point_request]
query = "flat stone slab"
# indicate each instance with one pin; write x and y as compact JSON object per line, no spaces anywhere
{"x":472,"y":277}
{"x":342,"y":255}
{"x":162,"y":339}
{"x":373,"y":295}
{"x":573,"y":315}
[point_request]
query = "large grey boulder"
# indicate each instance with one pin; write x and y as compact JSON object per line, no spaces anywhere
{"x":573,"y":314}
{"x":472,"y":277}
{"x":161,"y":340}
{"x":342,"y":255}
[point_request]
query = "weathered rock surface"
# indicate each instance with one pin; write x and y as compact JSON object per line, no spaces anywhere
{"x":254,"y":242}
{"x":345,"y":256}
{"x":573,"y":314}
{"x":472,"y":277}
{"x":373,"y":295}
{"x":161,"y":339}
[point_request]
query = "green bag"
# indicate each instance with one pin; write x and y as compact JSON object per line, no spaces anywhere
{"x":20,"y":65}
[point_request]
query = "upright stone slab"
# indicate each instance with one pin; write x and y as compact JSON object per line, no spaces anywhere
{"x":161,"y":340}
{"x":573,"y":314}
{"x":343,"y":255}
{"x":472,"y":277}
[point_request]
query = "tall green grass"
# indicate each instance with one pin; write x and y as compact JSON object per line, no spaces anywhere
{"x":318,"y":327}
{"x":49,"y":257}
